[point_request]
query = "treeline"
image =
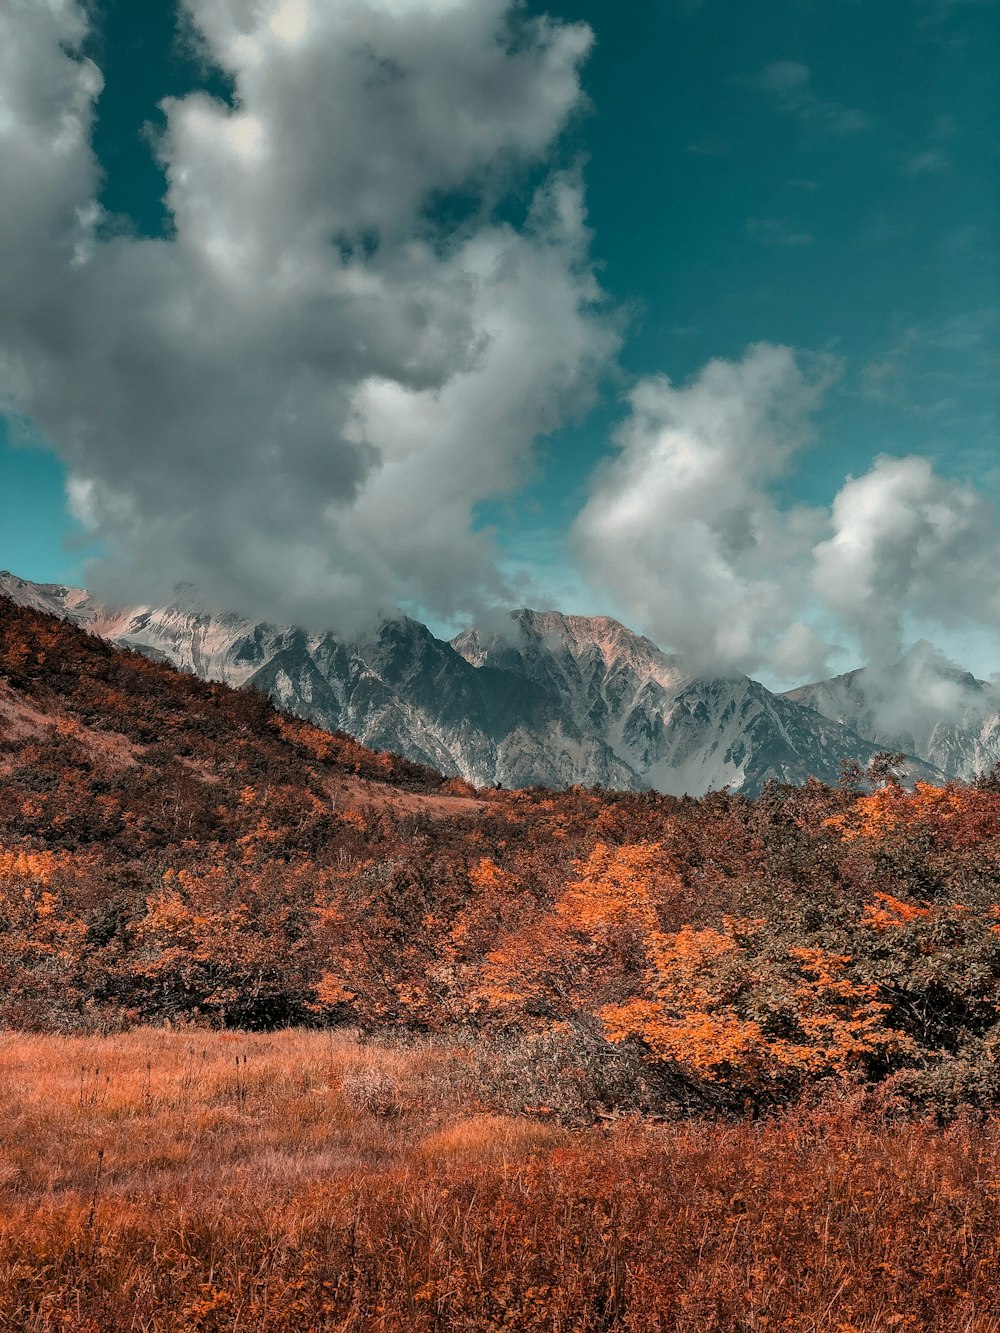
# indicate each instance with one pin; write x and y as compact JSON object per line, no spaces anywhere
{"x":176,"y":850}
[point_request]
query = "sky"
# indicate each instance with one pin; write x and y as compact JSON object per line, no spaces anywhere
{"x":686,"y":311}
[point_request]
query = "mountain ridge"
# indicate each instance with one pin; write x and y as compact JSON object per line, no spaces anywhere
{"x":548,"y":700}
{"x":920,"y":704}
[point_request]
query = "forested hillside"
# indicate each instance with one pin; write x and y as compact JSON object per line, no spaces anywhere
{"x":176,"y":850}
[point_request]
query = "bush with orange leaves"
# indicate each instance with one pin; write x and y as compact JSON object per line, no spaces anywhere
{"x":44,"y":977}
{"x":749,"y":1009}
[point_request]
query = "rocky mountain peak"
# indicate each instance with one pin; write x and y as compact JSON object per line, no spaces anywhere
{"x":584,"y":639}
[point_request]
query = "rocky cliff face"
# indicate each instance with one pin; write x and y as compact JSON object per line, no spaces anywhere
{"x":549,"y":700}
{"x":678,"y":733}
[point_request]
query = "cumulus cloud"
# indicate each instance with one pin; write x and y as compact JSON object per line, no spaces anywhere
{"x":907,"y":541}
{"x":686,"y":529}
{"x":297,"y":399}
{"x":683,"y":526}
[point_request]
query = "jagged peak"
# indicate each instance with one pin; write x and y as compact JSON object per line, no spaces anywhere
{"x":578,"y":635}
{"x":9,"y":579}
{"x":52,"y":597}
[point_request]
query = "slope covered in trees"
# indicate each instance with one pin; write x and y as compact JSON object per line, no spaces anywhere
{"x":174,"y":850}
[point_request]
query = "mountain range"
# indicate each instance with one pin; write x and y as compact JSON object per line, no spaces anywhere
{"x":920,"y":705}
{"x":547,"y":699}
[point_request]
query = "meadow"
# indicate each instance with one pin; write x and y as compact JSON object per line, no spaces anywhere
{"x":185,"y":1180}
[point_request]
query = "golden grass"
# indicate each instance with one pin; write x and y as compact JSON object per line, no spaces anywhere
{"x":191,"y":1181}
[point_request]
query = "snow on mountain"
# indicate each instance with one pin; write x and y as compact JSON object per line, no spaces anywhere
{"x":550,"y":700}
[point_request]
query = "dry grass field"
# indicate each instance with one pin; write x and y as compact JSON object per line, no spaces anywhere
{"x":184,"y":1180}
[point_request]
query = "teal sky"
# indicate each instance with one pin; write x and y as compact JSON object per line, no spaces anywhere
{"x":817,"y":175}
{"x":138,"y":50}
{"x":725,"y":215}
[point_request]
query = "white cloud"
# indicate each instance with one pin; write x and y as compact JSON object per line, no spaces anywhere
{"x":910,"y":699}
{"x":928,"y":162}
{"x":297,"y":400}
{"x":938,"y":12}
{"x":906,"y":540}
{"x":683,"y":528}
{"x":779,"y":233}
{"x":784,"y":76}
{"x":687,"y":530}
{"x":46,"y":111}
{"x":933,"y":157}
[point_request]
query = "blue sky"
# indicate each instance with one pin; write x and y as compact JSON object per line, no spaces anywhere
{"x":816,"y":176}
{"x":726,"y":214}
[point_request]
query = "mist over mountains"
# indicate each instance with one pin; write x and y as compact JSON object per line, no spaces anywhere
{"x":556,"y":700}
{"x":921,"y":705}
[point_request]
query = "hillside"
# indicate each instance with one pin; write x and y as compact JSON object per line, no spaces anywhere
{"x":177,"y":753}
{"x":142,"y":799}
{"x":396,"y":688}
{"x":176,"y":849}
